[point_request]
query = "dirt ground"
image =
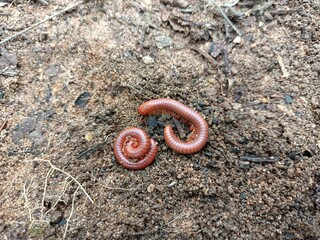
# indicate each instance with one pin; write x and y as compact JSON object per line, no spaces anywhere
{"x":70,"y":85}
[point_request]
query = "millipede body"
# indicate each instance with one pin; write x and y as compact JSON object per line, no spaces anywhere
{"x":134,"y":149}
{"x":198,"y":125}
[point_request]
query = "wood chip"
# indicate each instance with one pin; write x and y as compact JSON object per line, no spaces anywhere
{"x":283,"y":68}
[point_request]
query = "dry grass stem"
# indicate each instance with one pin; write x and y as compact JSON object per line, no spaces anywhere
{"x":45,"y":190}
{"x":65,"y":185}
{"x":43,"y":2}
{"x":65,"y":173}
{"x":72,"y":209}
{"x":42,"y":21}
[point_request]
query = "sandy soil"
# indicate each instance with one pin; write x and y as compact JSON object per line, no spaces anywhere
{"x":70,"y":85}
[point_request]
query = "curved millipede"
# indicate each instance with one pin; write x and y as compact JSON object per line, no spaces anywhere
{"x":198,"y":126}
{"x":134,"y":149}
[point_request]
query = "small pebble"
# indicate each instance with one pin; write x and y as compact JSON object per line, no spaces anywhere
{"x":11,"y":58}
{"x":243,"y":195}
{"x":148,"y":60}
{"x":88,"y":137}
{"x":206,"y":112}
{"x":150,"y":188}
{"x":293,"y":154}
{"x":290,"y":173}
{"x":208,"y":154}
{"x":235,"y":150}
{"x":172,"y":184}
{"x":230,"y":190}
{"x":196,"y":166}
{"x":2,"y":92}
{"x":203,"y":104}
{"x":237,"y":39}
{"x":62,"y":222}
{"x":128,"y":54}
{"x":288,"y":162}
{"x":199,"y":109}
{"x":83,"y":99}
{"x":53,"y":71}
{"x":268,"y":16}
{"x":163,"y":41}
{"x":264,"y":100}
{"x":213,"y":199}
{"x":288,"y":99}
{"x":180,"y":3}
{"x":3,"y":133}
{"x":243,"y":140}
{"x":252,"y":191}
{"x":165,"y":1}
{"x":244,"y":165}
{"x":104,"y":8}
{"x":215,"y":121}
{"x":236,"y":106}
{"x":234,"y":70}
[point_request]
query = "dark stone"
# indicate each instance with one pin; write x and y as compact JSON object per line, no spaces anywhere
{"x":83,"y":99}
{"x":244,"y":165}
{"x":220,"y":100}
{"x":293,"y":154}
{"x":23,"y":129}
{"x":199,"y":109}
{"x":215,"y":121}
{"x":196,"y":166}
{"x":243,"y":141}
{"x":213,"y":164}
{"x":243,"y":195}
{"x":128,"y":54}
{"x":202,"y":104}
{"x":287,"y":162}
{"x":235,"y":150}
{"x":62,"y":222}
{"x":206,"y":112}
{"x":213,"y":199}
{"x":307,"y":153}
{"x":1,"y":94}
{"x":288,"y":99}
{"x":238,"y":96}
{"x":208,"y":154}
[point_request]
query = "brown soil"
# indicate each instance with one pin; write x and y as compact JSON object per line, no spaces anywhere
{"x":69,"y":86}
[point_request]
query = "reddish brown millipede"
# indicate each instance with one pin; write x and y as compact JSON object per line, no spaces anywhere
{"x":198,"y":126}
{"x":134,"y":143}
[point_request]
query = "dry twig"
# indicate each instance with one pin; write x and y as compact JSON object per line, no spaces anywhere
{"x":42,"y":21}
{"x":43,"y":2}
{"x":226,"y":18}
{"x":288,"y":11}
{"x":5,"y":121}
{"x":213,"y":62}
{"x":45,"y":189}
{"x":25,"y":193}
{"x":258,"y":159}
{"x":181,"y":132}
{"x":3,"y":124}
{"x":283,"y":68}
